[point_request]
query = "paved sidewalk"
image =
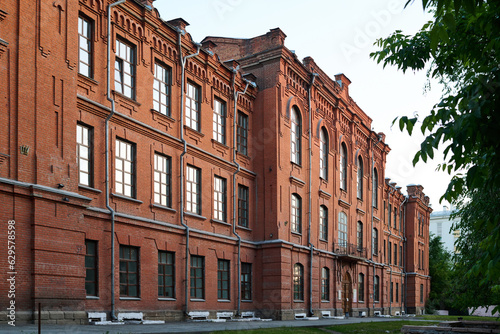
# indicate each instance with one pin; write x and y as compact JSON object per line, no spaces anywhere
{"x":183,"y":327}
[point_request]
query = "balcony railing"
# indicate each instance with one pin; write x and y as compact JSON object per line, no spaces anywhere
{"x":350,"y":250}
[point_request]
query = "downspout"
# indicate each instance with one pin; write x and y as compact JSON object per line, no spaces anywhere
{"x":314,"y":75}
{"x":181,"y":179}
{"x":390,"y":235}
{"x":371,"y":256}
{"x":403,"y":254}
{"x":106,"y":153}
{"x":238,"y":168}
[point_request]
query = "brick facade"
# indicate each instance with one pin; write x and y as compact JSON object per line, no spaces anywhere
{"x":47,"y":93}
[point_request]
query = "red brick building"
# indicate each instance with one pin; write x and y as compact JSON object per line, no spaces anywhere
{"x":145,"y":172}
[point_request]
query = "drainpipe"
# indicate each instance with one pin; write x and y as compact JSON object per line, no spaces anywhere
{"x":404,"y":258}
{"x":106,"y":170}
{"x":403,"y":254}
{"x":238,"y":168}
{"x":184,"y":151}
{"x":314,"y":75}
{"x":371,"y":256}
{"x":390,"y":235}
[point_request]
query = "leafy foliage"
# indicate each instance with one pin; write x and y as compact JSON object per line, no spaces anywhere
{"x":440,"y":270}
{"x":461,"y":48}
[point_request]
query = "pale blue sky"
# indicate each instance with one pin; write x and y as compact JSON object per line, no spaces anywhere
{"x":339,"y":36}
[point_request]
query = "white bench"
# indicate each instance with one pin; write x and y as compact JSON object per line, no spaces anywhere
{"x":225,"y":315}
{"x":131,"y":316}
{"x":328,"y":315}
{"x":303,"y":316}
{"x":97,"y":316}
{"x":199,"y":315}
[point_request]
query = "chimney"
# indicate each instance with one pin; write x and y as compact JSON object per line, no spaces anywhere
{"x":179,"y":22}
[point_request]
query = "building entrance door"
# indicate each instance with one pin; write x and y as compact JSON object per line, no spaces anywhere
{"x":347,"y":294}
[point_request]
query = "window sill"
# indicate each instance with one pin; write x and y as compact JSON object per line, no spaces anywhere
{"x":162,"y":207}
{"x":166,"y":299}
{"x":86,"y":78}
{"x":297,"y":233}
{"x":167,"y":117}
{"x":197,"y":300}
{"x":97,"y":191}
{"x":194,"y":215}
{"x":323,"y":240}
{"x":247,"y":301}
{"x":223,"y":300}
{"x":220,"y":222}
{"x":218,"y":143}
{"x":243,"y":156}
{"x":127,"y":198}
{"x":125,"y":97}
{"x":298,"y":301}
{"x":93,"y":297}
{"x":193,"y":131}
{"x":295,"y":164}
{"x":130,"y":298}
{"x":325,"y":301}
{"x":244,"y":228}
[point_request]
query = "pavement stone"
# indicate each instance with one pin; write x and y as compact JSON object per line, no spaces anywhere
{"x":183,"y":327}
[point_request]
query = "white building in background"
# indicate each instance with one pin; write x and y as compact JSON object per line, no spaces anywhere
{"x":441,"y":225}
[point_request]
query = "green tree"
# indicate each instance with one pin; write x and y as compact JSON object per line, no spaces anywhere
{"x":460,"y":47}
{"x":440,"y":270}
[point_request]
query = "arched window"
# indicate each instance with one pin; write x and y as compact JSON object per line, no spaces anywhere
{"x":376,"y":288}
{"x":375,"y":188}
{"x":375,"y":241}
{"x":296,"y":214}
{"x":342,"y":230}
{"x":298,"y":282}
{"x":359,"y":235}
{"x":361,"y":287}
{"x":323,"y":154}
{"x":343,"y":167}
{"x":323,"y":222}
{"x":295,"y":135}
{"x":359,"y":187}
{"x":325,"y":283}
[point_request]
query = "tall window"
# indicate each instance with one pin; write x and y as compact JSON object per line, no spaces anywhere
{"x":421,"y":293}
{"x":193,"y":190}
{"x":389,"y":215}
{"x":323,"y":154}
{"x":361,"y":287}
{"x":124,"y":168}
{"x":400,"y":218}
{"x":125,"y":69}
{"x":223,"y":279}
{"x":295,"y":136}
{"x":197,"y":275}
{"x":84,"y":154}
{"x":162,"y":179}
{"x":375,"y":241}
{"x":85,"y":46}
{"x":359,"y":234}
{"x":219,"y":198}
{"x":219,"y":126}
{"x":359,"y":183}
{"x":91,"y":282}
{"x":323,"y":222}
{"x":325,"y":283}
{"x":389,"y":253}
{"x":375,"y":189}
{"x":161,"y":89}
{"x":129,"y":271}
{"x":166,"y":274}
{"x":392,"y":292}
{"x":395,"y":254}
{"x":342,"y":229}
{"x":395,"y":218}
{"x":376,"y":288}
{"x":242,"y":205}
{"x":343,"y":167}
{"x":242,"y":133}
{"x":193,"y":97}
{"x":298,"y":282}
{"x":296,"y":213}
{"x":246,"y":281}
{"x":397,"y":292}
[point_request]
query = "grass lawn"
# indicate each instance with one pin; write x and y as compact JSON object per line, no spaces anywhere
{"x":378,"y":327}
{"x":455,"y":318}
{"x":282,"y":330}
